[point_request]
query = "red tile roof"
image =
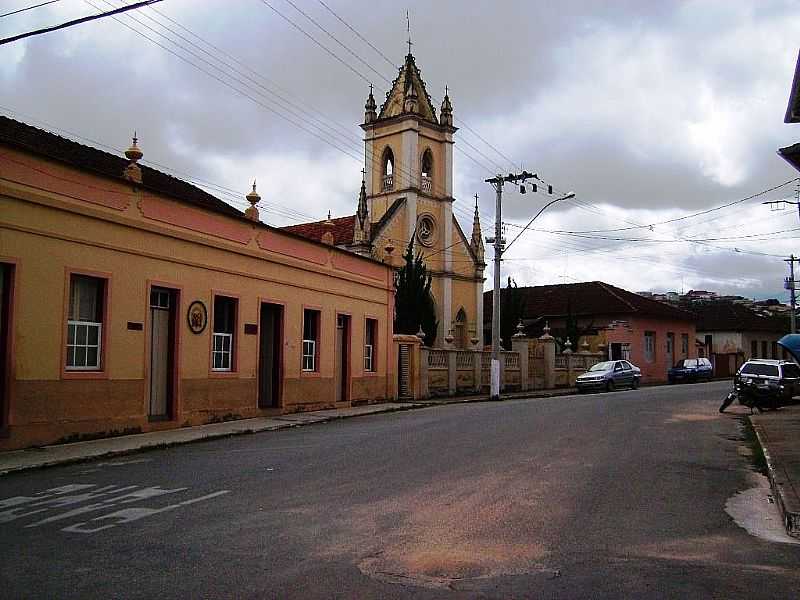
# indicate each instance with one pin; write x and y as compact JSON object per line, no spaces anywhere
{"x":343,"y":228}
{"x":727,"y":316}
{"x":587,"y":299}
{"x":43,"y":143}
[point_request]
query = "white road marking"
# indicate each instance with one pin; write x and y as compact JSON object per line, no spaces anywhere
{"x":128,"y":515}
{"x":18,"y":507}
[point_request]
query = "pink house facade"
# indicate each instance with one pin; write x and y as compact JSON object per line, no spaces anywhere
{"x":653,"y":335}
{"x":652,"y":344}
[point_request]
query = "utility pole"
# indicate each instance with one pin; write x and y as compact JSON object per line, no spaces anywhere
{"x":499,"y":248}
{"x":789,"y":284}
{"x":494,"y":378}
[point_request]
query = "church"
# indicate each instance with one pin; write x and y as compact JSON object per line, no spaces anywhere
{"x":407,"y":193}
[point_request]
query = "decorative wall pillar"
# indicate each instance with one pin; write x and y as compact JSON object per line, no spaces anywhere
{"x":568,"y":359}
{"x":548,"y":343}
{"x":477,"y":371}
{"x":424,"y":388}
{"x":520,"y":343}
{"x":452,"y":373}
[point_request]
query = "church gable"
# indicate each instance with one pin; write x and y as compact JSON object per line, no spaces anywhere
{"x":408,"y":95}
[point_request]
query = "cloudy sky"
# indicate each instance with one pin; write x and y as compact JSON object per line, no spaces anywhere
{"x":648,"y":111}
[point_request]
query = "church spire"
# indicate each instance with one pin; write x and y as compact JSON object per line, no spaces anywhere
{"x":446,"y":115}
{"x":363,"y":211}
{"x":369,"y":108}
{"x":476,"y":243}
{"x":408,"y":95}
{"x":361,"y":225}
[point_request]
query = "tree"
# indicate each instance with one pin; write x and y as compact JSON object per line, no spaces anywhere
{"x":512,"y":307}
{"x":414,"y":306}
{"x":572,"y":331}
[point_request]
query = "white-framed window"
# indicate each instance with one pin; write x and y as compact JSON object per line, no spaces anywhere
{"x":310,"y":360}
{"x":685,"y":344}
{"x":370,"y":338}
{"x":649,"y":346}
{"x":223,"y":339}
{"x":85,"y":323}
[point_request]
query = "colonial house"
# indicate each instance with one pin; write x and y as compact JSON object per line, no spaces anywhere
{"x":132,"y":301}
{"x":729,"y":334}
{"x":651,"y":334}
{"x":407,"y":195}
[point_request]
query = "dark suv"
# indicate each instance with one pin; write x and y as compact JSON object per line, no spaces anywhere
{"x":690,"y":369}
{"x":780,"y":378}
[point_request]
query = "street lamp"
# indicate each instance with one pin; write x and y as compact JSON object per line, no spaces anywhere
{"x":500,"y":248}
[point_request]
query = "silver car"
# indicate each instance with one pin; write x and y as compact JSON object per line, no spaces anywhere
{"x":609,"y":375}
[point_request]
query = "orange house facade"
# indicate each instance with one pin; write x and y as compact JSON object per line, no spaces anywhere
{"x":133,"y":301}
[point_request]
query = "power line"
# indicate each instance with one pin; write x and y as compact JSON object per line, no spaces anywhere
{"x":318,"y":43}
{"x":692,"y":215}
{"x":298,"y":101}
{"x":14,"y":12}
{"x":375,"y":159}
{"x":361,"y":37}
{"x":226,"y":83}
{"x":352,"y":52}
{"x":77,"y":21}
{"x":335,"y":39}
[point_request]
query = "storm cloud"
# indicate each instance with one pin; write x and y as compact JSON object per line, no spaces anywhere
{"x":648,"y":111}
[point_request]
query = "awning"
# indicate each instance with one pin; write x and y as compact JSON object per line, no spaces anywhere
{"x":791,"y":343}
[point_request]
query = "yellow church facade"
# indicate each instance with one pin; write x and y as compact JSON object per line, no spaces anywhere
{"x":407,"y":195}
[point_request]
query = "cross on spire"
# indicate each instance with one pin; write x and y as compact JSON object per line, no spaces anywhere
{"x":408,"y":30}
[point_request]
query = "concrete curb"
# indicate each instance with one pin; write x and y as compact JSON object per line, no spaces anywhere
{"x":531,"y":395}
{"x":78,"y":452}
{"x":787,"y":499}
{"x":63,"y":454}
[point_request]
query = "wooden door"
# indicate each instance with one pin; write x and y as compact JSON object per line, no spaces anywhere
{"x":162,"y":340}
{"x":342,"y":360}
{"x":269,"y":355}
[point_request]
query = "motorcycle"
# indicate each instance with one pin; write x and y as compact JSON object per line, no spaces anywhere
{"x":752,"y":397}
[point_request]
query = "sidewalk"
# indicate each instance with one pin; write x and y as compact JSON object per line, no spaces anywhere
{"x":46,"y":456}
{"x":779,"y":435}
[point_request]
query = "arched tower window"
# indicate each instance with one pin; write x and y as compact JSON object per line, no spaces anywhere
{"x":388,"y":169}
{"x":426,"y":170}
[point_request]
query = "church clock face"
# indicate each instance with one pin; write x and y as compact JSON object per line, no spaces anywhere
{"x":426,"y":230}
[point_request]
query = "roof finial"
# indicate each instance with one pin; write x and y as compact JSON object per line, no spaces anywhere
{"x":253,"y":198}
{"x":133,"y":172}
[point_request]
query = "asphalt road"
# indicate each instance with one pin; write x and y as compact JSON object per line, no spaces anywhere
{"x":601,"y":495}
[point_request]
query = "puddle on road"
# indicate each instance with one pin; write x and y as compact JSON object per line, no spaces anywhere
{"x":755,"y":511}
{"x":448,"y":532}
